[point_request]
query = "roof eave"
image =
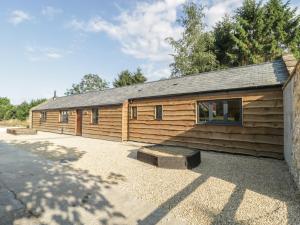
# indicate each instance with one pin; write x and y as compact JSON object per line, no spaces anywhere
{"x":211,"y":91}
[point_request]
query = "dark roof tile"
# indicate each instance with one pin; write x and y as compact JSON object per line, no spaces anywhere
{"x":259,"y":75}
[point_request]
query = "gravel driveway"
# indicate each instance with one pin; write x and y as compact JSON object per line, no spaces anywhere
{"x":59,"y":179}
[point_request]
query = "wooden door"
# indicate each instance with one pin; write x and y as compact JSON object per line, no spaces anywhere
{"x":78,"y":122}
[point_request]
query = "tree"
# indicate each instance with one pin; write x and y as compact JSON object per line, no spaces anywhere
{"x":248,"y":33}
{"x":126,"y":78}
{"x":138,"y":76}
{"x":194,"y":50}
{"x":257,"y":33}
{"x":223,"y":42}
{"x":282,"y":29}
{"x":11,"y":113}
{"x":22,"y":111}
{"x":36,"y":102}
{"x":4,"y":106}
{"x":90,"y":82}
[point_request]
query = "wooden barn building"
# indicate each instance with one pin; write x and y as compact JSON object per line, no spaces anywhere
{"x":237,"y":110}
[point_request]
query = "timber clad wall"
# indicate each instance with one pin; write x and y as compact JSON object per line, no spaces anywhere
{"x":109,"y":126}
{"x":261,"y":133}
{"x":52,"y":123}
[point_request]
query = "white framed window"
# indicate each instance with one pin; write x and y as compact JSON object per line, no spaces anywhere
{"x":133,"y":112}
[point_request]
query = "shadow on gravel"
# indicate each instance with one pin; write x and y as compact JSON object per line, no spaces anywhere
{"x":263,"y":176}
{"x":49,"y":150}
{"x":45,"y":189}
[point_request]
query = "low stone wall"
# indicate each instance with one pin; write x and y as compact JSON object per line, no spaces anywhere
{"x":291,"y":95}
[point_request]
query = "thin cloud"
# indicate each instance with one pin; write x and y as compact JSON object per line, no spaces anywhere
{"x":142,"y":32}
{"x":51,"y":12}
{"x":18,"y":16}
{"x":217,"y":10}
{"x":44,"y":53}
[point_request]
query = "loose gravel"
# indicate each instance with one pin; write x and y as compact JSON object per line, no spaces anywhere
{"x":224,"y":189}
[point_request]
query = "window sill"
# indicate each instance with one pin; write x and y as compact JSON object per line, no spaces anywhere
{"x":220,"y":124}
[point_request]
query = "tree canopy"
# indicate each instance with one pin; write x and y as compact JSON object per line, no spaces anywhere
{"x":194,"y":50}
{"x":126,"y":78}
{"x":20,"y":112}
{"x":89,"y":82}
{"x":255,"y":33}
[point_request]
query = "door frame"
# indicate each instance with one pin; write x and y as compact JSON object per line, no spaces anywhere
{"x":78,"y":130}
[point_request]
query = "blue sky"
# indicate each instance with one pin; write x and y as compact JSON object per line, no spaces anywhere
{"x":48,"y":45}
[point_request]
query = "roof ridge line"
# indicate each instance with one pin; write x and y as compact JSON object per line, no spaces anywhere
{"x":174,"y":78}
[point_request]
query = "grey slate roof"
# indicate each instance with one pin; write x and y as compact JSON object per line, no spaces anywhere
{"x":259,"y":75}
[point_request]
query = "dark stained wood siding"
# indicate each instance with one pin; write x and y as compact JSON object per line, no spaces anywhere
{"x":52,"y":123}
{"x":109,"y":125}
{"x":261,"y":133}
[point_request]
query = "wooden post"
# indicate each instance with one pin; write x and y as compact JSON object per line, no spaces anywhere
{"x":125,"y":117}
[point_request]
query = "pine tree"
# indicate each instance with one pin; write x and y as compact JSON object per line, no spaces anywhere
{"x":194,"y":51}
{"x":248,"y":33}
{"x":224,"y":44}
{"x":126,"y":78}
{"x":282,"y":29}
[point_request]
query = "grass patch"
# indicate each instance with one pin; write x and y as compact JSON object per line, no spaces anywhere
{"x":14,"y":123}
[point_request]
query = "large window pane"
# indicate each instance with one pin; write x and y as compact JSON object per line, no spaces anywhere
{"x":203,"y":112}
{"x":234,"y":110}
{"x":217,"y":111}
{"x":220,"y":112}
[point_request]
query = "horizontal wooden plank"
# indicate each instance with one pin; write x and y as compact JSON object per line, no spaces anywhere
{"x":263,"y":118}
{"x":262,"y":124}
{"x":253,"y":138}
{"x":263,"y":104}
{"x":263,"y":111}
{"x":210,"y":128}
{"x":267,"y":152}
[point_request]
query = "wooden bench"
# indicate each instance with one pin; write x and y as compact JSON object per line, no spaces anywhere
{"x":169,"y":156}
{"x":21,"y":131}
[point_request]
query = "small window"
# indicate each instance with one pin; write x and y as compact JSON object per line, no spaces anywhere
{"x":158,"y":112}
{"x":64,"y":116}
{"x":95,"y":116}
{"x":133,"y":113}
{"x":220,"y":112}
{"x":43,"y":116}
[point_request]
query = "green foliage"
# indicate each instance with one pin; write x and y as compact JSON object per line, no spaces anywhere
{"x":224,"y":42}
{"x":11,"y":113}
{"x":4,"y":106}
{"x":194,"y":50}
{"x":126,"y":78}
{"x":248,"y":33}
{"x":90,"y":82}
{"x":257,"y":33}
{"x":20,"y":112}
{"x":282,"y":29}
